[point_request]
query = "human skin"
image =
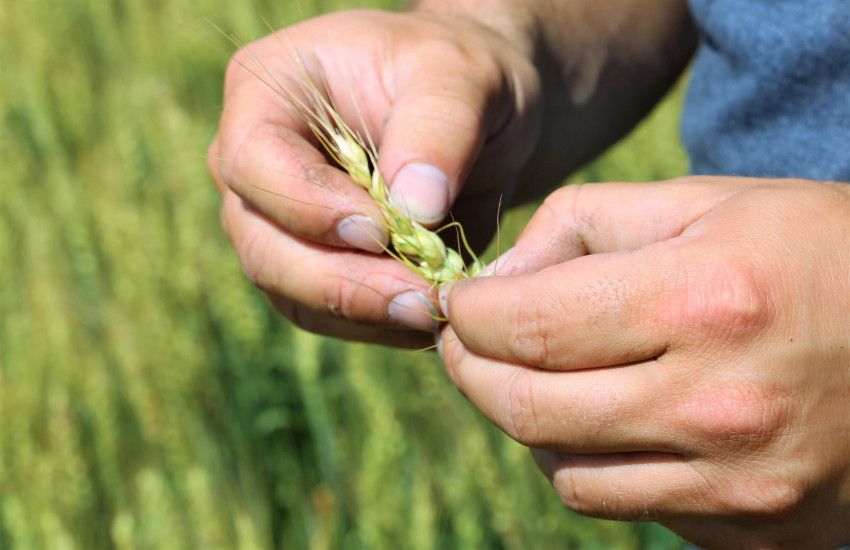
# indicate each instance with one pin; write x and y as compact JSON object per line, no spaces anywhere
{"x":677,"y":352}
{"x":702,"y":323}
{"x":463,"y":106}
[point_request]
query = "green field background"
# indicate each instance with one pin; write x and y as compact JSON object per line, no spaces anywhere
{"x":149,"y":397}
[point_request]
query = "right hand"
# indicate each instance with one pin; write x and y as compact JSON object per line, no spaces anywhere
{"x":453,"y":110}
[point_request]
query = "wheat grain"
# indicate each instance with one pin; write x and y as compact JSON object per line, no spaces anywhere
{"x":416,"y":246}
{"x":419,"y":248}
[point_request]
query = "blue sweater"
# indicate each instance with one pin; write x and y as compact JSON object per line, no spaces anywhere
{"x":770,"y":91}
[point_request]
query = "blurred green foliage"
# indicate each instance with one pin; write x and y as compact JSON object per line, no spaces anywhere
{"x":150,"y":398}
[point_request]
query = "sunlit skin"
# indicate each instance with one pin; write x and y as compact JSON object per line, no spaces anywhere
{"x":675,"y":351}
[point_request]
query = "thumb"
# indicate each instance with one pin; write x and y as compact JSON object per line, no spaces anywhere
{"x":445,"y":107}
{"x":595,"y":218}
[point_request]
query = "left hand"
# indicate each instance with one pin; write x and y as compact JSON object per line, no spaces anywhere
{"x":676,"y":352}
{"x":443,"y":98}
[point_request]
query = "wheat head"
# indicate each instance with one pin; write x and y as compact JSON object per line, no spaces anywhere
{"x":419,"y":248}
{"x":414,"y":245}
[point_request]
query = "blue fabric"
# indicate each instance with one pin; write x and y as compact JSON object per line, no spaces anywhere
{"x":770,"y":91}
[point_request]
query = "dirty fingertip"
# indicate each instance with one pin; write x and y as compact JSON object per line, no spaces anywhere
{"x":414,"y":310}
{"x":421,"y":191}
{"x":363,"y":232}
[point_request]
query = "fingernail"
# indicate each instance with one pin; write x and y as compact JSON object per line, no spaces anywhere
{"x":422,"y":192}
{"x":438,"y":340}
{"x":364,"y":233}
{"x":498,"y":265}
{"x":413,"y":310}
{"x":443,"y":299}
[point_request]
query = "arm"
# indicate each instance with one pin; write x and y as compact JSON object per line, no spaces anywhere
{"x":603,"y":65}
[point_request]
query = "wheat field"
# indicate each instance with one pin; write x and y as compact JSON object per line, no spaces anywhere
{"x":150,"y":398}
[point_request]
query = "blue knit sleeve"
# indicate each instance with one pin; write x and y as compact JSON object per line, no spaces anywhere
{"x":770,"y":91}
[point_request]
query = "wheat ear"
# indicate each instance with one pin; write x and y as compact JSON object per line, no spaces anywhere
{"x":421,"y":249}
{"x":417,"y":247}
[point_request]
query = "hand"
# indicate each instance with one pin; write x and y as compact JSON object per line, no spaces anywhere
{"x":677,"y":352}
{"x":445,"y":101}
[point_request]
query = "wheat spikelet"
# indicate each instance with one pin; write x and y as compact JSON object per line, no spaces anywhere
{"x":419,"y":248}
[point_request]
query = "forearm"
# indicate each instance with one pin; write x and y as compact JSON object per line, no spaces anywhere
{"x":603,"y":65}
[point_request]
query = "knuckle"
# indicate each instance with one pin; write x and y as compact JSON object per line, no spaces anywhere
{"x":521,"y":417}
{"x":557,"y":229}
{"x":251,"y":249}
{"x":570,"y":490}
{"x":447,"y":108}
{"x":459,"y":92}
{"x":559,"y":210}
{"x":235,"y":159}
{"x":359,"y":296}
{"x":775,"y":497}
{"x":236,"y":67}
{"x":728,"y":303}
{"x":610,"y":503}
{"x":338,"y":301}
{"x":344,"y":298}
{"x":741,"y":414}
{"x":469,"y":56}
{"x":561,"y":200}
{"x":538,"y":324}
{"x":779,"y":497}
{"x":225,"y":160}
{"x":574,"y":498}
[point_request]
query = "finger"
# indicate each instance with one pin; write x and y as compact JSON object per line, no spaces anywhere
{"x":349,"y":285}
{"x":628,"y":486}
{"x":266,"y":154}
{"x":624,"y":441}
{"x":610,"y":308}
{"x":666,"y":487}
{"x":446,"y":106}
{"x":600,"y":411}
{"x":327,"y":325}
{"x":607,"y":217}
{"x":594,"y":311}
